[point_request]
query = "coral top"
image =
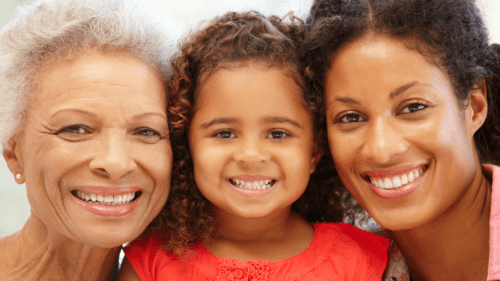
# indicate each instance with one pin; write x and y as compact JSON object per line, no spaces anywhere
{"x":494,"y":261}
{"x":337,"y":252}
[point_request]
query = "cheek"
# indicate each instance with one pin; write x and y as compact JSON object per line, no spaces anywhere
{"x":157,"y":160}
{"x":208,"y":161}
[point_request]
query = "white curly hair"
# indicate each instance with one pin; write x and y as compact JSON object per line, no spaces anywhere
{"x":53,"y":29}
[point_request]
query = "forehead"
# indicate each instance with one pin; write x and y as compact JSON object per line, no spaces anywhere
{"x":93,"y":73}
{"x":252,"y":86}
{"x":381,"y":61}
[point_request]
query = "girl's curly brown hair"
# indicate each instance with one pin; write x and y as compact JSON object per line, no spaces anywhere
{"x":234,"y":40}
{"x":450,"y":33}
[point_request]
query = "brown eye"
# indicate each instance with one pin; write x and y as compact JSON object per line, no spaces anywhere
{"x":148,"y":132}
{"x":413,"y":107}
{"x":225,"y":134}
{"x":350,"y":118}
{"x":277,"y":135}
{"x":74,"y":129}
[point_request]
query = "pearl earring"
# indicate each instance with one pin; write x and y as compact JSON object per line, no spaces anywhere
{"x":18,"y":176}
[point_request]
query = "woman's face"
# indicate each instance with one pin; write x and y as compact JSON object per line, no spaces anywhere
{"x":401,"y":143}
{"x":95,"y":150}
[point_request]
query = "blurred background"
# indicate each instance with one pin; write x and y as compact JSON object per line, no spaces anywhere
{"x":189,"y":14}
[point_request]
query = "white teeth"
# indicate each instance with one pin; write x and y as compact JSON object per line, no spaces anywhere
{"x":397,"y":181}
{"x":404,"y":179}
{"x":387,"y":183}
{"x":105,"y":199}
{"x":255,"y":185}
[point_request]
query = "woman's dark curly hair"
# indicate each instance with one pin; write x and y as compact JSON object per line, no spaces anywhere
{"x":450,"y":33}
{"x":230,"y":41}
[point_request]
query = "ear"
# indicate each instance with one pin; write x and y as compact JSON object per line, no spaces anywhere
{"x":316,"y":155}
{"x":13,"y":156}
{"x":478,"y":106}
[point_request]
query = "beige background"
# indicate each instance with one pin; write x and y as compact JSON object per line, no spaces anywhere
{"x":14,"y":207}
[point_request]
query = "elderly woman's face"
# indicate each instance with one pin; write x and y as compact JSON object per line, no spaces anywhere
{"x":95,"y":149}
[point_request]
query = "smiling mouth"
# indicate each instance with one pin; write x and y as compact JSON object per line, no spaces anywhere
{"x":396,"y":181}
{"x":252,"y":185}
{"x":109,"y":200}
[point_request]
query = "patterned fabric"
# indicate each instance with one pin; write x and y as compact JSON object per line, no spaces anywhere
{"x":397,"y":269}
{"x":336,"y":252}
{"x":235,"y":270}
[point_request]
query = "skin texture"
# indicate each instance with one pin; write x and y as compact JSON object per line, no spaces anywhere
{"x":244,"y":128}
{"x":389,"y":107}
{"x":263,"y":129}
{"x":97,"y":120}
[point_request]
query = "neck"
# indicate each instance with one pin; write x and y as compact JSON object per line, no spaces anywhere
{"x":455,"y":245}
{"x":278,"y":236}
{"x":37,"y":253}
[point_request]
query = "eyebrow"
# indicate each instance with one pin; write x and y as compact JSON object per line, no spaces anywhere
{"x":282,"y":120}
{"x":74,"y":110}
{"x":266,"y":120}
{"x":393,"y":94}
{"x":402,"y":89}
{"x":138,"y":116}
{"x":218,"y":121}
{"x":145,"y":114}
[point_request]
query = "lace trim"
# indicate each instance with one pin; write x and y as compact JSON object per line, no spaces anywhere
{"x":235,"y":270}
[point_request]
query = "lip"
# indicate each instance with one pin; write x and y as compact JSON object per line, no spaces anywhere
{"x":251,"y":178}
{"x":400,"y":192}
{"x":108,"y":190}
{"x":392,"y":172}
{"x":252,"y":193}
{"x":105,"y":210}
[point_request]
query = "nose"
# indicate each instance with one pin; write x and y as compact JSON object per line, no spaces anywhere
{"x":112,"y":158}
{"x":251,"y":152}
{"x":383,"y":141}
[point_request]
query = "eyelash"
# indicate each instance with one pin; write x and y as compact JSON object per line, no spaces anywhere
{"x":71,"y":129}
{"x":220,"y":134}
{"x":151,"y":133}
{"x":284,"y":134}
{"x":419,"y":104}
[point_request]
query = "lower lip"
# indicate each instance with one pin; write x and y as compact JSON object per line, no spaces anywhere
{"x":108,"y":211}
{"x":252,"y":193}
{"x":397,"y":193}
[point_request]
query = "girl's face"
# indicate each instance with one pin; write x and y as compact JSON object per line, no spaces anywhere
{"x":251,"y":140}
{"x":401,"y":143}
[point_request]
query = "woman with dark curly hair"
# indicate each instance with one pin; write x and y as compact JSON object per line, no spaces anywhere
{"x":246,"y":145}
{"x":411,"y":92}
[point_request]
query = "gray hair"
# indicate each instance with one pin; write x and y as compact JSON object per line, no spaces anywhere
{"x":55,"y":28}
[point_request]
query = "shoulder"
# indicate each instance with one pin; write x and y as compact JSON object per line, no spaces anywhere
{"x":353,"y":236}
{"x":354,"y":250}
{"x":147,"y":256}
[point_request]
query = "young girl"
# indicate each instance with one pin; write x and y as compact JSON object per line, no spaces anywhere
{"x":246,"y":146}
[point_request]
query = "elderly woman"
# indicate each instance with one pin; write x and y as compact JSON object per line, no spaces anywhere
{"x":83,"y":123}
{"x":411,"y":91}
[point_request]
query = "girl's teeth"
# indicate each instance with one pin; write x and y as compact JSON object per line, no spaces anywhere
{"x":256,"y":185}
{"x":397,"y":181}
{"x":109,"y":200}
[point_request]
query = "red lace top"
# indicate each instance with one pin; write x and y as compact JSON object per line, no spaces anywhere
{"x":337,"y":252}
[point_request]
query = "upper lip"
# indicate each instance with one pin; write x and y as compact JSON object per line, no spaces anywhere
{"x":251,"y":178}
{"x":108,"y":190}
{"x":388,"y":173}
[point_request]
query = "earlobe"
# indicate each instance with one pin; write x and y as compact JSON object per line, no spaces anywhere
{"x":13,"y":157}
{"x":478,"y":105}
